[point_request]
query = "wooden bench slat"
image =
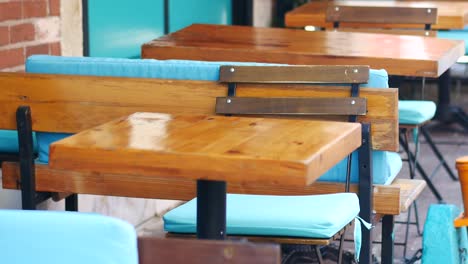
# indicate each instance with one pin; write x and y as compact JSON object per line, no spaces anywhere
{"x":185,"y":251}
{"x":82,"y":102}
{"x":295,"y":74}
{"x":381,"y":15}
{"x":387,"y":198}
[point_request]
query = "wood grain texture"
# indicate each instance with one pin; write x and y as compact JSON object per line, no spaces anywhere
{"x":399,"y":55}
{"x":291,"y":106}
{"x":295,"y":74}
{"x":81,"y":102}
{"x":278,"y":151}
{"x":152,"y":250}
{"x":410,"y":32}
{"x":450,"y":14}
{"x":388,"y":199}
{"x":410,"y":191}
{"x":336,"y":12}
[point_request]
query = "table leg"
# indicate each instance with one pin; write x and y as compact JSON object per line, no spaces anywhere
{"x":387,"y":239}
{"x":211,"y":209}
{"x":445,"y":111}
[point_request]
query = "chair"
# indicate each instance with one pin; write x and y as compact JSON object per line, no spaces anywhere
{"x":65,"y":237}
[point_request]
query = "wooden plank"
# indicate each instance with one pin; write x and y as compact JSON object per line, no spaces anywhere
{"x":283,"y":151}
{"x":82,"y":102}
{"x":380,"y":14}
{"x":295,"y":74}
{"x":386,"y":197}
{"x":410,"y":191}
{"x":410,"y":32}
{"x":450,"y":14}
{"x":185,"y":251}
{"x":404,"y":55}
{"x":291,"y":106}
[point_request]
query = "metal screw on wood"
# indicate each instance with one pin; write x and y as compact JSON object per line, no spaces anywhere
{"x":429,"y":11}
{"x":228,"y":101}
{"x":353,"y":102}
{"x":355,"y":70}
{"x":232,"y":69}
{"x":337,"y":9}
{"x":426,"y":33}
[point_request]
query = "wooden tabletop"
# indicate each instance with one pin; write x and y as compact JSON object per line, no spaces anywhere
{"x":450,"y":14}
{"x":232,"y":149}
{"x":399,"y":55}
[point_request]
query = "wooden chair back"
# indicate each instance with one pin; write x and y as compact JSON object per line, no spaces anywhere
{"x":187,"y":251}
{"x":70,"y":104}
{"x":367,"y":18}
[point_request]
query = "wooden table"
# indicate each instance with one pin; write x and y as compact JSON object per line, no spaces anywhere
{"x":399,"y":55}
{"x":450,"y":14}
{"x":213,"y":150}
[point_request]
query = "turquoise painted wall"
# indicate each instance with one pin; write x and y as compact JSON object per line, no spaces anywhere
{"x":117,"y":28}
{"x":183,"y":13}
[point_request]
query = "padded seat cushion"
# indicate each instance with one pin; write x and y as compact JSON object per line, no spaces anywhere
{"x":385,"y":165}
{"x":314,"y":216}
{"x":65,"y":237}
{"x":9,"y":141}
{"x":415,"y":112}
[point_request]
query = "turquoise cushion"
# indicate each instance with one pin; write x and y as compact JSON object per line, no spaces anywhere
{"x":385,"y":167}
{"x":456,"y":35}
{"x":415,"y":112}
{"x":315,"y":216}
{"x":9,"y":141}
{"x":65,"y":237}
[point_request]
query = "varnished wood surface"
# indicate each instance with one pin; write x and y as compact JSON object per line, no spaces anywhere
{"x":410,"y":191}
{"x":451,"y":14}
{"x":64,"y":103}
{"x":231,"y":149}
{"x":388,"y":199}
{"x":399,"y":55}
{"x":295,"y":74}
{"x":336,"y":12}
{"x":153,"y":250}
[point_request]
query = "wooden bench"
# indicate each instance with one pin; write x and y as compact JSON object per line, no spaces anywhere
{"x":153,"y":250}
{"x":79,"y":102}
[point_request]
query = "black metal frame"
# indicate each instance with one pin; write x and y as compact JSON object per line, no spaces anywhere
{"x":242,"y":12}
{"x":30,"y":198}
{"x":446,"y":112}
{"x":211,"y":209}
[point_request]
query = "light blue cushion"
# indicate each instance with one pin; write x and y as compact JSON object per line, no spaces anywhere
{"x":9,"y":141}
{"x":65,"y":237}
{"x":415,"y":112}
{"x":385,"y":168}
{"x":315,"y":216}
{"x":455,"y":35}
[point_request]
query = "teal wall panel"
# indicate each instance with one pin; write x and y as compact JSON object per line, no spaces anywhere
{"x":183,"y":13}
{"x":117,"y":28}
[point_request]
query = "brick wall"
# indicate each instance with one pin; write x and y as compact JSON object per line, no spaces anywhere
{"x":28,"y":27}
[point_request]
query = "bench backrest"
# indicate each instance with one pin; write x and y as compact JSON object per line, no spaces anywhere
{"x":69,"y":104}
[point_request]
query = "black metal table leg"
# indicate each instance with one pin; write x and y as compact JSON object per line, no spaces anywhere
{"x":366,"y":192}
{"x":445,"y":111}
{"x":211,"y":209}
{"x":387,"y":239}
{"x":26,"y":158}
{"x":71,"y":203}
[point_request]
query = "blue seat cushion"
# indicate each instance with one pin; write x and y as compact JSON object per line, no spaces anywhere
{"x":415,"y":112}
{"x":65,"y":237}
{"x":386,"y":166}
{"x":9,"y":141}
{"x":455,"y":35}
{"x":313,"y":216}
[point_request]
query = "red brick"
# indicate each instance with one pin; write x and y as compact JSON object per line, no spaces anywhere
{"x":11,"y":58}
{"x":34,"y":8}
{"x":4,"y":35}
{"x":55,"y":49}
{"x":38,"y":49}
{"x":22,"y":32}
{"x":54,"y":7}
{"x":9,"y":11}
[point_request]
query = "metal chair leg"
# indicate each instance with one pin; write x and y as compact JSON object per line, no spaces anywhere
{"x":319,"y":254}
